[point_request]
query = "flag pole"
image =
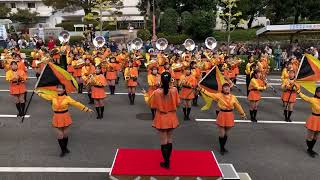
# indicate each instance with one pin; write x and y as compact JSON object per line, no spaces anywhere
{"x":294,"y":80}
{"x":36,"y":85}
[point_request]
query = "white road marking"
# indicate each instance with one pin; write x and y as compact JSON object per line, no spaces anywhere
{"x":259,"y":121}
{"x":12,"y":116}
{"x":55,"y":169}
{"x":28,"y":77}
{"x":273,"y":84}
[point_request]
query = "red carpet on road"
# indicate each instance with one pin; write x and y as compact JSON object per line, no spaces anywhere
{"x":145,"y":162}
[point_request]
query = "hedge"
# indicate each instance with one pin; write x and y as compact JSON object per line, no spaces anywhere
{"x":175,"y":38}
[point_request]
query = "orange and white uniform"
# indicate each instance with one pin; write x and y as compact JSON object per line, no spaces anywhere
{"x":313,"y":122}
{"x":60,"y":105}
{"x":188,"y":84}
{"x":86,"y":71}
{"x":131,"y":76}
{"x":97,"y":87}
{"x":226,"y":103}
{"x":112,"y":71}
{"x":166,"y":108}
{"x":77,"y":68}
{"x":17,"y":81}
{"x":153,"y":82}
{"x":255,"y":86}
{"x":290,"y":88}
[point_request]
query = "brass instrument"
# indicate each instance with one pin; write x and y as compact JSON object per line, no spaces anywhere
{"x":99,"y":42}
{"x":189,"y":44}
{"x":210,"y":43}
{"x":136,"y":44}
{"x":64,"y":37}
{"x":162,"y":44}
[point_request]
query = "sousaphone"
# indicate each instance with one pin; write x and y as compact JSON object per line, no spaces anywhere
{"x":162,"y":44}
{"x":210,"y":43}
{"x":64,"y":37}
{"x":99,"y":42}
{"x":189,"y":44}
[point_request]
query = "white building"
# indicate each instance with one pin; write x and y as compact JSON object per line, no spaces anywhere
{"x":49,"y":17}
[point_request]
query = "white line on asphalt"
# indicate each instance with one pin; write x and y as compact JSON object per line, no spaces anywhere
{"x":259,"y":121}
{"x":12,"y":116}
{"x":273,"y":84}
{"x":28,"y":77}
{"x":55,"y":169}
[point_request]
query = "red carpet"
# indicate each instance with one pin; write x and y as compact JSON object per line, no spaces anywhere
{"x":145,"y":162}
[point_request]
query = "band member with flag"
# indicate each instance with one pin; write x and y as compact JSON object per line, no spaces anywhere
{"x":17,"y":77}
{"x":313,"y":122}
{"x":188,"y":83}
{"x":166,"y":101}
{"x":154,"y":80}
{"x":87,"y":72}
{"x":226,"y":103}
{"x":61,"y":118}
{"x":112,"y":74}
{"x":98,"y":82}
{"x":131,"y":77}
{"x":289,"y":95}
{"x":255,"y":87}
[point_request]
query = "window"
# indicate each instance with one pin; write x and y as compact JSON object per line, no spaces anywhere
{"x":13,"y":5}
{"x":31,"y":5}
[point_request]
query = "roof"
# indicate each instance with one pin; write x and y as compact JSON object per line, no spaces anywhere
{"x":288,"y":29}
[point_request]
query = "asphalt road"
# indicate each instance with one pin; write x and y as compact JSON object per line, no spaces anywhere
{"x":265,"y":151}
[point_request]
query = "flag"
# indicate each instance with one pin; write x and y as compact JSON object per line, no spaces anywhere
{"x":53,"y":75}
{"x":309,"y":73}
{"x":212,"y":83}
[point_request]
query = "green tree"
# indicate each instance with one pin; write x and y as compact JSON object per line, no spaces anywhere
{"x":71,"y":5}
{"x":4,"y":10}
{"x":25,"y":16}
{"x":169,"y":21}
{"x":203,"y":23}
{"x":186,"y":22}
{"x":251,"y":9}
{"x":144,"y":34}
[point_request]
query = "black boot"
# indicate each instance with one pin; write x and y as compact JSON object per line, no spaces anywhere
{"x":90,"y":98}
{"x":98,"y":112}
{"x":184,"y":113}
{"x":113,"y":89}
{"x":164,"y":150}
{"x":195,"y":101}
{"x":66,"y":150}
{"x":25,"y":96}
{"x":310,"y":145}
{"x":61,"y":144}
{"x":117,"y":81}
{"x":252,"y":115}
{"x":221,"y":142}
{"x":153,"y":112}
{"x":22,"y":108}
{"x":101,"y":112}
{"x":313,"y":143}
{"x":18,"y":109}
{"x":225,"y":141}
{"x":255,"y":115}
{"x":80,"y":87}
{"x":188,"y":113}
{"x":289,"y":116}
{"x":169,"y":146}
{"x":285,"y":113}
{"x":217,"y":112}
{"x":110,"y":89}
{"x":133,"y":98}
{"x":130,"y":98}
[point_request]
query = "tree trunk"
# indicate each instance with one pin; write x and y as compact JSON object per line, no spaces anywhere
{"x":296,"y":17}
{"x":250,"y":21}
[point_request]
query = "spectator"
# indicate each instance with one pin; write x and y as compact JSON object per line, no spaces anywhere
{"x":284,"y":58}
{"x":12,"y":43}
{"x":113,"y":46}
{"x":51,"y":43}
{"x":39,"y":43}
{"x":277,"y":57}
{"x":315,"y":52}
{"x":41,"y":32}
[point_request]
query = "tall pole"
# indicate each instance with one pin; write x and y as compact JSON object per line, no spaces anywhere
{"x":154,"y":37}
{"x":100,"y":8}
{"x":229,"y":23}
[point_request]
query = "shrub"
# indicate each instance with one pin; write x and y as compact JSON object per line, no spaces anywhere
{"x":174,"y":38}
{"x":169,"y":21}
{"x":75,"y":39}
{"x":144,"y":34}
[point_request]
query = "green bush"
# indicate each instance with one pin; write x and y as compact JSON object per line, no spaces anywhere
{"x":186,"y":22}
{"x":238,"y":35}
{"x":75,"y":39}
{"x":169,"y":21}
{"x":203,"y":23}
{"x":69,"y":25}
{"x":144,"y":34}
{"x":174,"y":38}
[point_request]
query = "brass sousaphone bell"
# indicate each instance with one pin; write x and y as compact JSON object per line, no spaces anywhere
{"x":189,"y":44}
{"x":99,"y":42}
{"x":64,"y":37}
{"x":162,"y":44}
{"x":210,"y":43}
{"x":136,"y":44}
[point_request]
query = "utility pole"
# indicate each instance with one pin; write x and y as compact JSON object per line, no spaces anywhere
{"x":154,"y":36}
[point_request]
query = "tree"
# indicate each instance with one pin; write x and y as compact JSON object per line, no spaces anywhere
{"x":203,"y":23}
{"x":25,"y":16}
{"x":71,"y":5}
{"x":186,"y":22}
{"x":251,"y":9}
{"x":169,"y":21}
{"x":4,"y":10}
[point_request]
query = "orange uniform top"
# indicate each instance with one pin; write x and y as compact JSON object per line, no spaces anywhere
{"x":188,"y":81}
{"x":196,"y":72}
{"x":226,"y":101}
{"x":61,"y":103}
{"x":315,"y":103}
{"x":257,"y":84}
{"x":86,"y":71}
{"x":99,"y":80}
{"x":154,"y":80}
{"x":14,"y":76}
{"x":163,"y":103}
{"x":289,"y":85}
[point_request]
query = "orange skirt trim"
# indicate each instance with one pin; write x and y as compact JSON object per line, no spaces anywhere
{"x":77,"y":72}
{"x":187,"y":93}
{"x":98,"y":92}
{"x":254,"y":96}
{"x":132,"y":83}
{"x":225,"y":119}
{"x":61,"y":120}
{"x":285,"y":97}
{"x":165,"y":120}
{"x":111,"y":75}
{"x":151,"y":90}
{"x":16,"y":89}
{"x":313,"y":123}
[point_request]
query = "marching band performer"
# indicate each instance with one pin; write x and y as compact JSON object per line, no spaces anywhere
{"x":17,"y":77}
{"x":77,"y":64}
{"x":289,"y":95}
{"x":313,"y":122}
{"x":188,"y":83}
{"x":112,"y":74}
{"x":87,"y":72}
{"x":226,"y":103}
{"x":154,"y":80}
{"x":285,"y":71}
{"x":177,"y":68}
{"x":166,"y":101}
{"x":98,"y":82}
{"x":248,"y":71}
{"x":196,"y":72}
{"x":61,"y":120}
{"x":131,"y":77}
{"x":256,"y":85}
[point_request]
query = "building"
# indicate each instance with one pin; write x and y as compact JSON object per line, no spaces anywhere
{"x":49,"y":17}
